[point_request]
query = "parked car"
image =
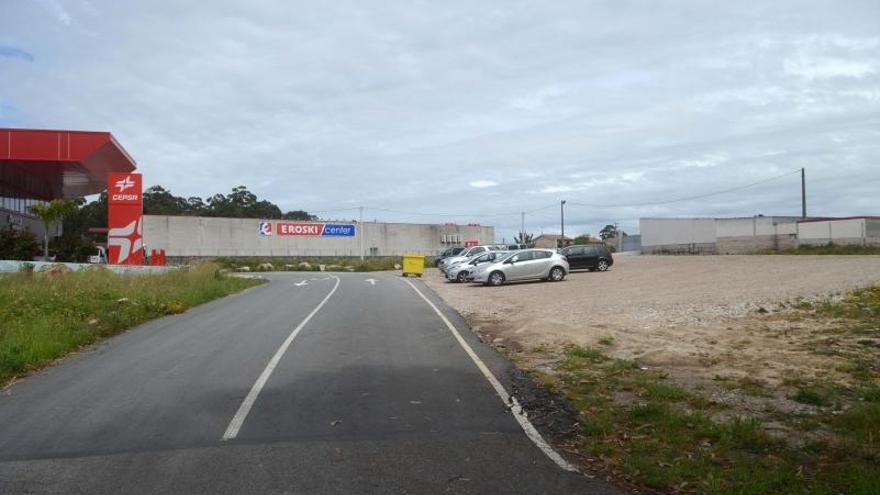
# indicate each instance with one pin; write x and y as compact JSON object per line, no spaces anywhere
{"x":588,"y":256}
{"x":461,"y":271}
{"x":471,"y":251}
{"x":529,"y":264}
{"x":453,"y":251}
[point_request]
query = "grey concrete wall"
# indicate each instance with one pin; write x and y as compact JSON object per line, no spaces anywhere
{"x":717,"y":235}
{"x":695,"y":248}
{"x":753,"y":244}
{"x":209,"y":237}
{"x":852,"y":231}
{"x":658,"y":232}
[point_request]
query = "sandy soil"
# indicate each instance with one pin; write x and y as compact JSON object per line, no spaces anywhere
{"x":700,"y":318}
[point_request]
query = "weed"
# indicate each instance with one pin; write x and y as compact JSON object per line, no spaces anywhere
{"x":586,"y":353}
{"x":810,"y":396}
{"x":607,"y":341}
{"x":664,"y":392}
{"x":828,"y":249}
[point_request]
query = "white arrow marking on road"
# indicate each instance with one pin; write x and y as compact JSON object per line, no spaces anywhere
{"x":304,"y":282}
{"x":372,"y":281}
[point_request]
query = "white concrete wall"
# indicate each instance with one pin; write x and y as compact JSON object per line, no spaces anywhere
{"x":206,"y":236}
{"x":676,"y":231}
{"x":755,"y":226}
{"x":851,"y":231}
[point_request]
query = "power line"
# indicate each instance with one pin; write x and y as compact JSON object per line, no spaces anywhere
{"x":689,"y":198}
{"x":553,"y":205}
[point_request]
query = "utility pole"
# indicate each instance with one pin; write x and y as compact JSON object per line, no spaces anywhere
{"x":522,"y":228}
{"x":361,"y":227}
{"x":803,"y":193}
{"x":562,"y":220}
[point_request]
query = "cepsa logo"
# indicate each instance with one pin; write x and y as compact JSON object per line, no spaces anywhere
{"x":125,"y":188}
{"x":265,"y":229}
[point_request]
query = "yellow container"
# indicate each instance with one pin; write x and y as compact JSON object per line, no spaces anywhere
{"x":413,"y":264}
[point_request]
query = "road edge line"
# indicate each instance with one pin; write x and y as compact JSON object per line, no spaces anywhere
{"x":509,"y":400}
{"x":245,"y":408}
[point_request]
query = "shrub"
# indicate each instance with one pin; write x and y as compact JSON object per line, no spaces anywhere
{"x":18,"y":245}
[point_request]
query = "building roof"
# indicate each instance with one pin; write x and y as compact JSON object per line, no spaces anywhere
{"x":554,"y":237}
{"x":50,"y":163}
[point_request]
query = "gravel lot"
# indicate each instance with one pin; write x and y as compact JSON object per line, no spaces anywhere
{"x":676,"y":312}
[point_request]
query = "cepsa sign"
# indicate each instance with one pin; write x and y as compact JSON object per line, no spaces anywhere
{"x":315,"y":229}
{"x":124,"y":188}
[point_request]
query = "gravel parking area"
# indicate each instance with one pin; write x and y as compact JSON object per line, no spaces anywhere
{"x":676,"y":312}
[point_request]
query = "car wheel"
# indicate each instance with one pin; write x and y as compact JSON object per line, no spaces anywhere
{"x":462,"y":276}
{"x":557,"y":274}
{"x":496,"y":279}
{"x":602,"y":266}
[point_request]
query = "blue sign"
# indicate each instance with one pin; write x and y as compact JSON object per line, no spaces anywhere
{"x":338,"y":230}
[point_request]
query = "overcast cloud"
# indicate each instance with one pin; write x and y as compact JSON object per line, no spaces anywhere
{"x":480,"y":108}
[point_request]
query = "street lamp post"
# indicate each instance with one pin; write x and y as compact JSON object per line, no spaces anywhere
{"x":562,"y":221}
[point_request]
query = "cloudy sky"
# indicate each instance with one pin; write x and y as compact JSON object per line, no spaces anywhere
{"x":468,"y":111}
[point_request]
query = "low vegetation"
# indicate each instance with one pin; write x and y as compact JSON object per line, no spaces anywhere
{"x":640,"y":427}
{"x":316,"y":264}
{"x":829,"y":249}
{"x":45,"y":316}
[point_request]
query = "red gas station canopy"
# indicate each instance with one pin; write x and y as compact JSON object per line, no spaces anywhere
{"x":49,"y":164}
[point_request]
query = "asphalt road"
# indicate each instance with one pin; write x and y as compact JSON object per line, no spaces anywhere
{"x":373,"y":395}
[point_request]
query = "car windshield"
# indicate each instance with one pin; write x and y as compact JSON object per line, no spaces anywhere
{"x":505,"y":257}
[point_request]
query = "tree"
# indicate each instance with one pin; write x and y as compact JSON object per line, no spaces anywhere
{"x":159,"y":201}
{"x":524,"y":238}
{"x":610,"y":231}
{"x":584,"y":239}
{"x":299,"y":215}
{"x":50,"y":213}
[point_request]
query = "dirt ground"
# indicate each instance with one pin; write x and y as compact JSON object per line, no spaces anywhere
{"x":703,"y":319}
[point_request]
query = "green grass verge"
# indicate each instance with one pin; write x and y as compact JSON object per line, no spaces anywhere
{"x":654,"y":434}
{"x":311,"y":264}
{"x":828,"y":249}
{"x":44,"y":317}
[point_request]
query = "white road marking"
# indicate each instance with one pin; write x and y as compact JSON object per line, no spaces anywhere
{"x":302,"y":284}
{"x":372,"y":281}
{"x":248,"y":402}
{"x":508,"y":399}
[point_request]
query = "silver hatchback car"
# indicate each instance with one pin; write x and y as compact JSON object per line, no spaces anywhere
{"x":461,"y":271}
{"x":529,"y":264}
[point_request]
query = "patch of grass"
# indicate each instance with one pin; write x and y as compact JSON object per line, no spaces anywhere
{"x":870,"y":394}
{"x":665,"y":392}
{"x":656,"y":435}
{"x":586,"y":353}
{"x":860,"y":305}
{"x":44,"y":318}
{"x":810,"y":396}
{"x":828,"y":249}
{"x":804,"y":306}
{"x":607,"y":341}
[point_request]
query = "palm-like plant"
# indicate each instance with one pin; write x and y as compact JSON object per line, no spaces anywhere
{"x":50,"y":213}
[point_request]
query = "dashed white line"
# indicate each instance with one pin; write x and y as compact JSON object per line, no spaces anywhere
{"x":248,"y":402}
{"x":508,"y":399}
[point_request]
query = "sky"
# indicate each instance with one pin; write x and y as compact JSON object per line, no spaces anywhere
{"x":469,"y":112}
